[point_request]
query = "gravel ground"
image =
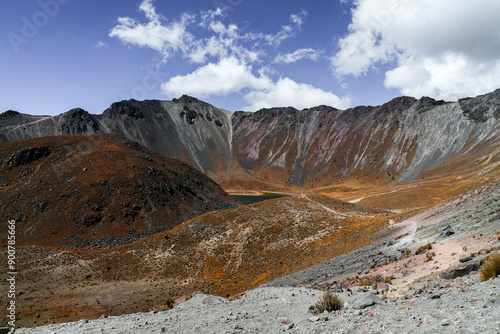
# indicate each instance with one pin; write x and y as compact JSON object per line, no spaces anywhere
{"x":463,"y":305}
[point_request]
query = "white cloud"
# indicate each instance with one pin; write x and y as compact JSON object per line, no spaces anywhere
{"x":297,"y":55}
{"x":449,"y":77}
{"x":231,"y":76}
{"x":298,"y":19}
{"x":226,"y":77}
{"x":162,"y":38}
{"x":101,"y":44}
{"x":230,"y":60}
{"x":286,"y":32}
{"x":445,"y":49}
{"x":287,"y":92}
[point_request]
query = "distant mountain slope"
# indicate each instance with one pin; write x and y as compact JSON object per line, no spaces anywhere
{"x":279,"y":147}
{"x":101,"y":190}
{"x":185,"y":128}
{"x":395,"y":141}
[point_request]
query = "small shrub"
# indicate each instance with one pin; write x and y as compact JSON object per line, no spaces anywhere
{"x":423,"y":249}
{"x":168,"y":304}
{"x":490,"y":267}
{"x":329,"y":302}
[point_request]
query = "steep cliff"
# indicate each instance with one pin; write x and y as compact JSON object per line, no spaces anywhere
{"x":394,"y":142}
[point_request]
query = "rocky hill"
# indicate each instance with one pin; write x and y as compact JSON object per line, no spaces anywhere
{"x":98,"y":190}
{"x":402,"y":140}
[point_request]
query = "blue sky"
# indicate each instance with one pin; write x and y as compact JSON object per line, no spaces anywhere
{"x":244,"y":55}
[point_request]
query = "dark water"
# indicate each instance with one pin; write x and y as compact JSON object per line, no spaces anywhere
{"x":250,"y":199}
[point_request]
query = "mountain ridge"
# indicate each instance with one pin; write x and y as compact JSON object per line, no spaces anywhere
{"x":277,"y":148}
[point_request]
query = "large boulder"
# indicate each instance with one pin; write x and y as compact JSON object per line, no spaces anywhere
{"x":462,"y":270}
{"x":366,"y":300}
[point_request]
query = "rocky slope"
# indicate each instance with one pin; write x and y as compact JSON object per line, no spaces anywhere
{"x":397,"y":141}
{"x":402,"y":140}
{"x":98,"y":190}
{"x":385,"y":288}
{"x":185,"y":128}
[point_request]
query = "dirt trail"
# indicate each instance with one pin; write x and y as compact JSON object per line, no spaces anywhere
{"x":340,"y":215}
{"x":357,"y":200}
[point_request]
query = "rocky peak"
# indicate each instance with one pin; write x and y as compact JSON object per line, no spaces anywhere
{"x":76,"y":112}
{"x":130,"y":108}
{"x":11,"y":117}
{"x":397,"y":105}
{"x":186,"y":99}
{"x":322,"y":108}
{"x":9,"y":113}
{"x":426,"y":103}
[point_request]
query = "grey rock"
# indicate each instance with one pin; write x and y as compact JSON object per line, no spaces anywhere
{"x":445,"y":322}
{"x":436,"y":295}
{"x":366,"y":300}
{"x":409,"y":294}
{"x":462,"y":270}
{"x":336,"y":288}
{"x":465,"y":259}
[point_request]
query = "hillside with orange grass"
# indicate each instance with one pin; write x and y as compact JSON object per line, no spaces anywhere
{"x":224,"y":252}
{"x":98,"y":190}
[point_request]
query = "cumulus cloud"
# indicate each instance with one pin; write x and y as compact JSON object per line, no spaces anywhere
{"x":225,"y":77}
{"x":297,"y":55}
{"x":229,"y":59}
{"x":164,"y":38}
{"x":231,"y":76}
{"x":445,"y":49}
{"x":286,"y":92}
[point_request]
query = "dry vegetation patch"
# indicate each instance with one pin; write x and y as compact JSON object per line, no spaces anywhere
{"x":224,"y":253}
{"x":490,"y":267}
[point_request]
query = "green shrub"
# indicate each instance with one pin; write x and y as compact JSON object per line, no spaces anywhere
{"x":329,"y":302}
{"x":490,"y":267}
